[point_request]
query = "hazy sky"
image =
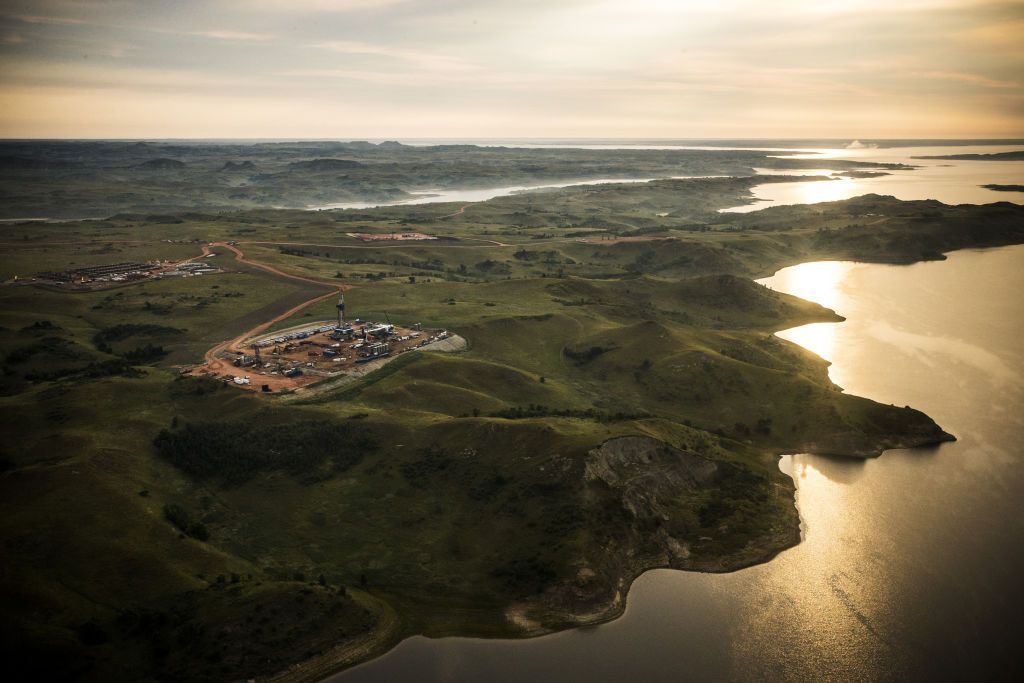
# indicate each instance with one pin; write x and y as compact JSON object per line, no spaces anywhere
{"x":507,"y":68}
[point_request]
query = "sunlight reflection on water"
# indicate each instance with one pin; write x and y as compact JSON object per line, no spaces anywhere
{"x":909,"y":565}
{"x":819,"y":282}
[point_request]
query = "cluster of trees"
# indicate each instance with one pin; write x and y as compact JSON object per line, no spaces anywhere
{"x":586,"y":355}
{"x":41,"y":326}
{"x":526,"y":576}
{"x":200,"y":385}
{"x":115,"y":367}
{"x":179,"y":517}
{"x":763,"y":427}
{"x":104,"y":337}
{"x":551,"y":257}
{"x":145,"y":354}
{"x":158,"y":308}
{"x":739,"y":490}
{"x":433,"y":459}
{"x":51,"y":346}
{"x":493,"y":267}
{"x":427,"y":264}
{"x":233,"y":452}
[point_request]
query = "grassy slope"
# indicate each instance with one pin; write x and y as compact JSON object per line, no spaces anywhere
{"x":460,"y":513}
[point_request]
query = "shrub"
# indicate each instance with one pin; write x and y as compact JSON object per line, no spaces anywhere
{"x":585,"y":356}
{"x":233,"y":452}
{"x":177,"y":515}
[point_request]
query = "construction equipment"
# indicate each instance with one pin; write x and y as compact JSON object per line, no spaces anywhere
{"x":341,"y":309}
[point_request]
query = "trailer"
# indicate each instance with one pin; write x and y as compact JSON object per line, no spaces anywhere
{"x":369,"y":358}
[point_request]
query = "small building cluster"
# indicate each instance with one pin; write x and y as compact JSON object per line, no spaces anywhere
{"x":320,"y":351}
{"x":192,"y":268}
{"x":114,"y":272}
{"x":98,"y":277}
{"x":391,"y":236}
{"x":292,"y":358}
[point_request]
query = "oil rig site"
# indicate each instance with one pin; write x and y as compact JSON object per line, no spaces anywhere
{"x":309,"y":353}
{"x":114,"y":274}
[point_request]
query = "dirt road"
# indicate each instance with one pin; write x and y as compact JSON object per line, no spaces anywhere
{"x":240,"y":257}
{"x":462,"y":210}
{"x":220,"y":366}
{"x":397,"y":244}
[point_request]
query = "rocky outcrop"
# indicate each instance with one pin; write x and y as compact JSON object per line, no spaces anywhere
{"x":647,"y":475}
{"x":651,"y":494}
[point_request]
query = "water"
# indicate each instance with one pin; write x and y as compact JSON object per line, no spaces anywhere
{"x":481,"y":195}
{"x":950,"y":181}
{"x":909,"y":565}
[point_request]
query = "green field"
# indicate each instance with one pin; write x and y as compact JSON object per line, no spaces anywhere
{"x":620,"y":406}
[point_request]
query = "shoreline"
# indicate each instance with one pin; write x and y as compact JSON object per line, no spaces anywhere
{"x":531,"y":629}
{"x":628,"y":551}
{"x":537,"y":620}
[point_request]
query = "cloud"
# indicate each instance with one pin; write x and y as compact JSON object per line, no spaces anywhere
{"x":234,"y":36}
{"x":320,"y":6}
{"x":40,"y":19}
{"x":970,"y":79}
{"x":125,"y":78}
{"x":412,"y":57}
{"x":831,"y":68}
{"x":1002,"y":34}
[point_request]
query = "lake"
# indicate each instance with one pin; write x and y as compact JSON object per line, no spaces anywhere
{"x":482,"y":195}
{"x":910,"y":563}
{"x":949,"y":181}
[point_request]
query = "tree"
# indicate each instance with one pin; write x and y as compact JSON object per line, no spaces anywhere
{"x":176,"y":515}
{"x":198,"y":531}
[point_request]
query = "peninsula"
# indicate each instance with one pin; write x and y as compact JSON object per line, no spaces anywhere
{"x":620,"y":405}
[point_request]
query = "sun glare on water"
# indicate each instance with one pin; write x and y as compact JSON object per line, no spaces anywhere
{"x":819,"y":282}
{"x":824,"y":190}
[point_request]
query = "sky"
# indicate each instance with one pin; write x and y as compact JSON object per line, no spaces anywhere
{"x":403,"y":69}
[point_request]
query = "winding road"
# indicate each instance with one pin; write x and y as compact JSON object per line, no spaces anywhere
{"x":220,"y":366}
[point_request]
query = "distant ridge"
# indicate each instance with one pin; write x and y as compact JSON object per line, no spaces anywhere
{"x":161,"y":164}
{"x":325,"y":165}
{"x":238,"y":166}
{"x":1016,"y":155}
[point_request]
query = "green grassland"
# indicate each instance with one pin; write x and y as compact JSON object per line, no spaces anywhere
{"x":620,"y":406}
{"x":96,"y":179}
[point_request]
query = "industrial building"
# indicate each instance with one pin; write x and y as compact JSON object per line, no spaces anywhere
{"x":98,"y":277}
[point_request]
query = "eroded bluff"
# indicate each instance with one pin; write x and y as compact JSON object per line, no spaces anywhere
{"x":654,"y":505}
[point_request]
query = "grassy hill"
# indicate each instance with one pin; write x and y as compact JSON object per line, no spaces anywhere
{"x":620,"y":406}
